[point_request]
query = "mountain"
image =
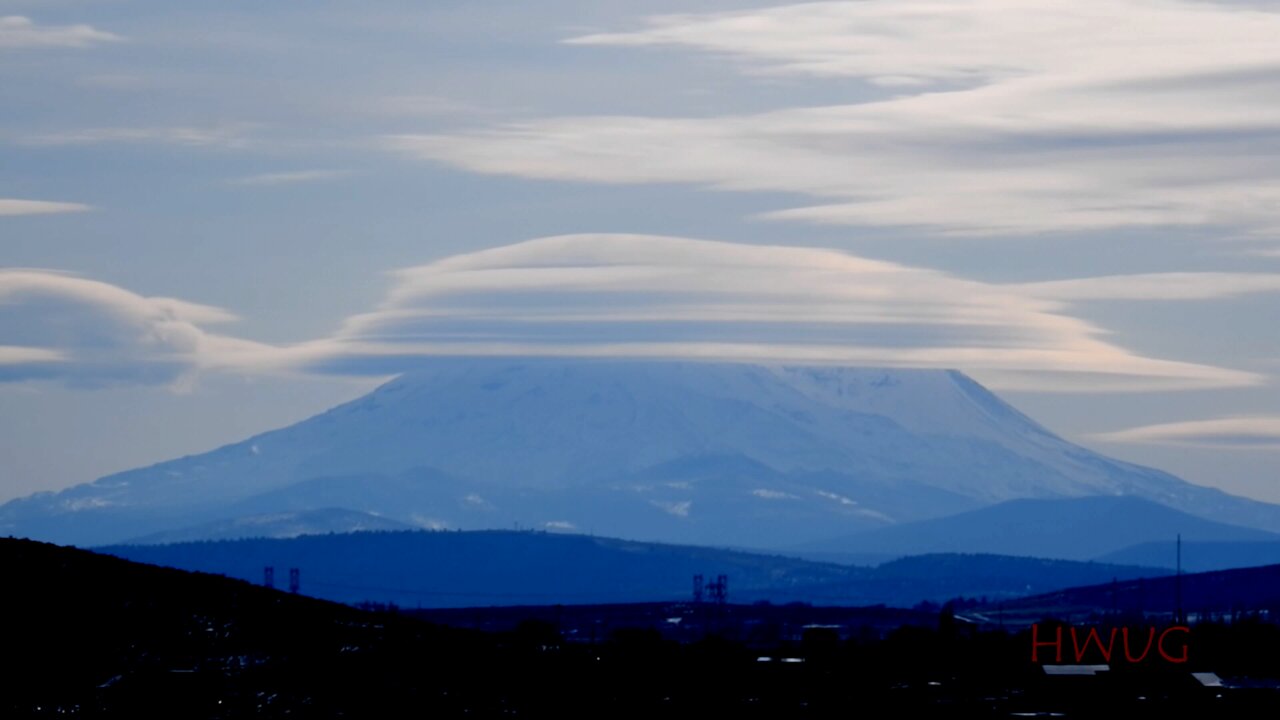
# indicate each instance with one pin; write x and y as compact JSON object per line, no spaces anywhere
{"x":1073,"y":529}
{"x":505,"y":567}
{"x":712,"y":453}
{"x":1198,"y":556}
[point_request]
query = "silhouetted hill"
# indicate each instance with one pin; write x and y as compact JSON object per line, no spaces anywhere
{"x":92,"y":635}
{"x":939,"y":578}
{"x":1203,"y":595}
{"x":1198,"y":556}
{"x":1073,"y":529}
{"x":458,"y":569}
{"x":489,"y":567}
{"x":1016,"y":576}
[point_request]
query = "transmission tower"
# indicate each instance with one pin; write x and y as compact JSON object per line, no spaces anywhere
{"x":719,"y":590}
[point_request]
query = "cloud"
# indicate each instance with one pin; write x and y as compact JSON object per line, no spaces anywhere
{"x":678,"y":509}
{"x":11,"y":206}
{"x":1232,"y":432}
{"x":17,"y":32}
{"x":632,"y":296}
{"x":87,"y":333}
{"x":234,"y":135}
{"x":192,"y":312}
{"x":1154,"y":286}
{"x":667,"y":297}
{"x":11,"y":355}
{"x":920,"y":42}
{"x":1005,"y":118}
{"x":289,"y":178}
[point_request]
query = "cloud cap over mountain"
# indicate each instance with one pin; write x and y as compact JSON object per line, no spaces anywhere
{"x":670,"y":297}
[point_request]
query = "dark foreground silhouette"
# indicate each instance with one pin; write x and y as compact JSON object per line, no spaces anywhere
{"x":504,"y":567}
{"x":86,"y":635}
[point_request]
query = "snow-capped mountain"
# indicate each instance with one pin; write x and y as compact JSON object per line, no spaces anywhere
{"x":723,"y":453}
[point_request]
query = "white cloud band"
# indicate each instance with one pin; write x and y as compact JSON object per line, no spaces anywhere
{"x":17,"y":32}
{"x":1011,"y":117}
{"x":12,"y":206}
{"x":1154,"y":286}
{"x":1235,"y":432}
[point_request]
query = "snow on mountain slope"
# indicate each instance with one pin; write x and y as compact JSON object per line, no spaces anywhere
{"x":277,"y":525}
{"x":725,"y":453}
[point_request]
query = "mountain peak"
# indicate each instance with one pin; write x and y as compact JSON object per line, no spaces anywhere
{"x":713,"y":452}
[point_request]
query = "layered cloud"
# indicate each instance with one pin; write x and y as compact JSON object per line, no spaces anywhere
{"x":13,"y":206}
{"x":1003,"y":117}
{"x":914,"y":42}
{"x":17,"y":32}
{"x":1234,"y":432}
{"x":608,"y":296}
{"x":1154,"y":286}
{"x":666,"y":297}
{"x":88,"y":333}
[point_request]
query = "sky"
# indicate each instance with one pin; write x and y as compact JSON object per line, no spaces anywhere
{"x":221,"y":218}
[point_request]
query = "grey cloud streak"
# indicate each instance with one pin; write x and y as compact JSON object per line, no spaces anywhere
{"x":1249,"y":432}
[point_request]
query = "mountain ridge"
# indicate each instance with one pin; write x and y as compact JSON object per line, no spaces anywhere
{"x":1081,"y":529}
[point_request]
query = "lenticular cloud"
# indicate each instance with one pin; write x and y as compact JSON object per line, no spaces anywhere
{"x":88,"y":333}
{"x":667,"y":297}
{"x":631,"y":296}
{"x":973,"y":118}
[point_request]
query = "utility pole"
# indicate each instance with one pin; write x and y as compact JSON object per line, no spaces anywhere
{"x":1178,"y":617}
